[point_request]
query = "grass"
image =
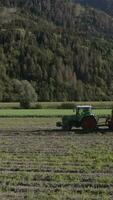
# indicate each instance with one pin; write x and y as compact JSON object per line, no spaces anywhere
{"x":46,"y":112}
{"x":56,"y":165}
{"x":54,"y":105}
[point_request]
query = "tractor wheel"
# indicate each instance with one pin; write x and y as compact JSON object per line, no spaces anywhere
{"x":66,"y":127}
{"x":89,"y":123}
{"x":110,"y":124}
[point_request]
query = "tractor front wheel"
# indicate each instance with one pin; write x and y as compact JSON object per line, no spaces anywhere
{"x":66,"y":127}
{"x":89,"y":123}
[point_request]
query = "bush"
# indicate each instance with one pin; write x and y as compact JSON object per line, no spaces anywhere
{"x":25,"y":104}
{"x":38,"y":106}
{"x":26,"y":93}
{"x":67,"y":106}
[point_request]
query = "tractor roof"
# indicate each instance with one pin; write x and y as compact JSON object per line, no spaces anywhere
{"x":84,"y":106}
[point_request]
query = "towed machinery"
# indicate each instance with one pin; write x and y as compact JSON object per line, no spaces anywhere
{"x":109,"y":121}
{"x":85,"y":119}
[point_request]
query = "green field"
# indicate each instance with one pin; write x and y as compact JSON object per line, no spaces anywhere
{"x":45,"y":112}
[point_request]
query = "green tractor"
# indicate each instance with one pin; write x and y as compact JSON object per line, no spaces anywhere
{"x":83,"y":118}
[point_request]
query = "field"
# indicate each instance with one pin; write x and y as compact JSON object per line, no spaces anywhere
{"x":37,"y":161}
{"x":41,"y":162}
{"x":46,"y":112}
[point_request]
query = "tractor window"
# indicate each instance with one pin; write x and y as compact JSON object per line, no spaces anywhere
{"x":77,"y":111}
{"x":83,"y":111}
{"x":86,"y":111}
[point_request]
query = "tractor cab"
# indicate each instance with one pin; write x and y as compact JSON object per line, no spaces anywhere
{"x":83,"y":111}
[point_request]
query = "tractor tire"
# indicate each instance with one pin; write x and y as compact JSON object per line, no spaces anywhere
{"x":66,"y":128}
{"x":110,"y":125}
{"x":89,"y":123}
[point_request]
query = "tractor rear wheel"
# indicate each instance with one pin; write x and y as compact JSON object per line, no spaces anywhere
{"x":89,"y":123}
{"x":66,"y":127}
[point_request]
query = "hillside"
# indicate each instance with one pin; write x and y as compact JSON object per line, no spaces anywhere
{"x":63,"y":49}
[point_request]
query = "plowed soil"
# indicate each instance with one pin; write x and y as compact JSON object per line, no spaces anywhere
{"x":47,"y":163}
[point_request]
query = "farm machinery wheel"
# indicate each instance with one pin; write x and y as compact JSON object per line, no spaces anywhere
{"x":109,"y":122}
{"x":89,"y":123}
{"x":66,"y":127}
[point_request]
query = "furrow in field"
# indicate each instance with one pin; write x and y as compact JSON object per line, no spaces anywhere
{"x":51,"y":184}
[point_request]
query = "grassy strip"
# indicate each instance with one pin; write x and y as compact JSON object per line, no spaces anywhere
{"x":46,"y":112}
{"x":55,"y":105}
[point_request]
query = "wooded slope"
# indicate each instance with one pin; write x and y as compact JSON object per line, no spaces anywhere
{"x":64,"y":49}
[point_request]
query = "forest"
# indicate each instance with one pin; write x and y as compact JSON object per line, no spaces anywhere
{"x":64,"y":49}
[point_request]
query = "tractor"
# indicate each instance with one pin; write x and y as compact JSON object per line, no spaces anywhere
{"x":83,"y":118}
